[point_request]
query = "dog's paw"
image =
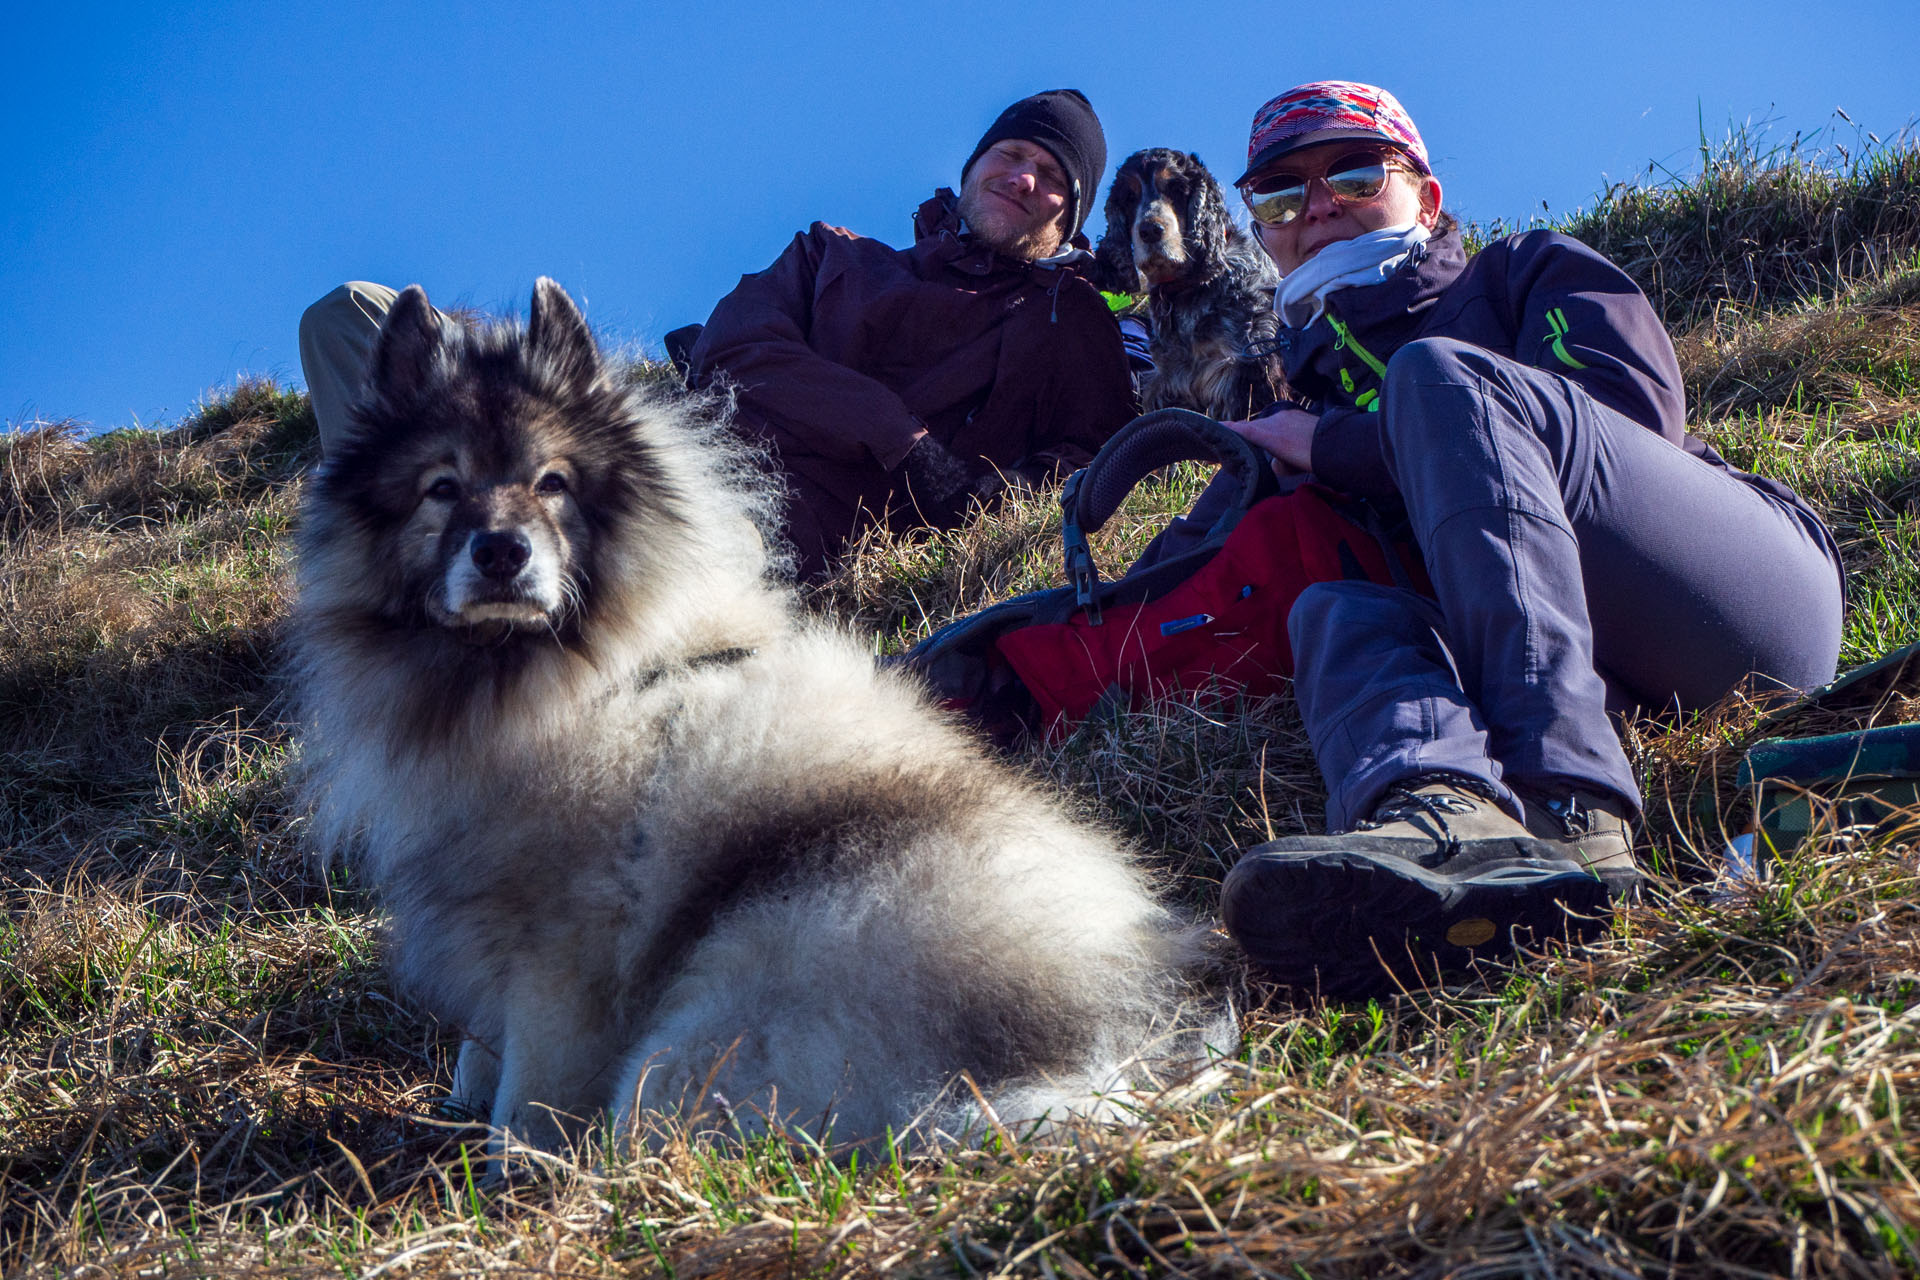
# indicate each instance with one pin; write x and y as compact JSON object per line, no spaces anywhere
{"x":476,"y":1079}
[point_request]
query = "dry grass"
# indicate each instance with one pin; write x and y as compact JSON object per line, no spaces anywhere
{"x":1762,"y":224}
{"x":1862,"y":356}
{"x":1721,"y":1088}
{"x":141,"y":582}
{"x":204,"y":1070}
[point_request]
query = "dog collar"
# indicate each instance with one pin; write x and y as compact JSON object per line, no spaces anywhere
{"x":719,"y":657}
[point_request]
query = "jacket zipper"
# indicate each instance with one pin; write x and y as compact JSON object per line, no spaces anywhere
{"x":1369,"y":399}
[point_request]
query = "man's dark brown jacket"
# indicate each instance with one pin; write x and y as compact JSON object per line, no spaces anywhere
{"x":845,"y":351}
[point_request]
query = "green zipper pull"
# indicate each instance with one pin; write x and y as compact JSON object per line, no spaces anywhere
{"x":1347,"y":340}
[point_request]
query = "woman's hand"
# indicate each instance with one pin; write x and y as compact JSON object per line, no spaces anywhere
{"x":1287,"y":435}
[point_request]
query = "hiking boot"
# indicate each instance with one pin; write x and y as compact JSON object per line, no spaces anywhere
{"x":1592,"y":828}
{"x":1440,"y":876}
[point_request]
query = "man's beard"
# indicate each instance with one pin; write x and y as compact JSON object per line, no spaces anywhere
{"x":995,"y":226}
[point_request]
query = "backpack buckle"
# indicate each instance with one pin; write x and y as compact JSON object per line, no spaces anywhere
{"x":1080,"y":569}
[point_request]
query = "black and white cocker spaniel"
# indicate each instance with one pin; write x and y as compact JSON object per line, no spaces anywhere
{"x":1209,"y":287}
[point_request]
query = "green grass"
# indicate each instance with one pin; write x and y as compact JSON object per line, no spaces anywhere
{"x":205,"y":1070}
{"x":1764,"y":222}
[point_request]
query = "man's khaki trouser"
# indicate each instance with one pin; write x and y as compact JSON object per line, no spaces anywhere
{"x":336,"y":345}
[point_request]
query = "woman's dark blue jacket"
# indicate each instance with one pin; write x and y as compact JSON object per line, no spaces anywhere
{"x":1540,"y":298}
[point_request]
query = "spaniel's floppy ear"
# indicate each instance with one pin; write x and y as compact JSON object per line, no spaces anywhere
{"x":1207,"y":220}
{"x":558,"y":335}
{"x":1113,"y":269}
{"x":404,"y":352}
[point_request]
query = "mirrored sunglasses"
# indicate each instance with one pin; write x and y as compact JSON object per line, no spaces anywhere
{"x":1278,"y":198}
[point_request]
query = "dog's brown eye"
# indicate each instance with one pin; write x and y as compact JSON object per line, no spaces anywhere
{"x":552,"y":482}
{"x":445,"y":489}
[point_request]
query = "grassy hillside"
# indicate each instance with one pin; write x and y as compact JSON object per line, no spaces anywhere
{"x":204,"y":1069}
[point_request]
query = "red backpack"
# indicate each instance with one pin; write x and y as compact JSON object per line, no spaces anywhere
{"x":1210,"y":615}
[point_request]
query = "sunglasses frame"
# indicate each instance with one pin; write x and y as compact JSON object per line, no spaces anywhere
{"x":1387,"y":161}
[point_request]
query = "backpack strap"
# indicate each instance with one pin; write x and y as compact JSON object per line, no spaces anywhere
{"x":1146,"y":444}
{"x":1151,"y":441}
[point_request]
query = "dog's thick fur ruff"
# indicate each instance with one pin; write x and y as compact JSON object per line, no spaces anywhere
{"x":1209,"y":287}
{"x":645,"y":833}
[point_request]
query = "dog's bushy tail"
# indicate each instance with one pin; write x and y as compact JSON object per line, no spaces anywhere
{"x":1163,"y":1027}
{"x":1181,"y":1060}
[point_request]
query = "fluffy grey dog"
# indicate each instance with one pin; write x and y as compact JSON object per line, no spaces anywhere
{"x":646,"y":834}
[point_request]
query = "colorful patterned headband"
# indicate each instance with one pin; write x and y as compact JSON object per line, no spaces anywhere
{"x":1326,"y":111}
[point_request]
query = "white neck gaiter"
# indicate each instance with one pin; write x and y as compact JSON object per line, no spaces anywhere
{"x":1344,"y":264}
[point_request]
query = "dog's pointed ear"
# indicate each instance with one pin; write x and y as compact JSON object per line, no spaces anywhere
{"x":409,"y":341}
{"x":558,"y":334}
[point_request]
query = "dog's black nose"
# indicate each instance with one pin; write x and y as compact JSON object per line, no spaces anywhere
{"x":1152,"y":232}
{"x":500,"y":553}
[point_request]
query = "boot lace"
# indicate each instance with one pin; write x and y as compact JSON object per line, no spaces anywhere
{"x":1404,"y":802}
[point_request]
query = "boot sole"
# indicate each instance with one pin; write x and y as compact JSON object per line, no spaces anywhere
{"x":1344,"y":924}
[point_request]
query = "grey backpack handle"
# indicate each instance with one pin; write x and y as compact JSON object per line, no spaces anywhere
{"x":1136,"y":451}
{"x":1146,"y":444}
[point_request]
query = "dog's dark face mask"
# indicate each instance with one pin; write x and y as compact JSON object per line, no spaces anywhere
{"x":1167,"y":224}
{"x":484,"y":468}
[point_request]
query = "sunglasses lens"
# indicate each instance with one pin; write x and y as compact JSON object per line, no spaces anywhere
{"x":1362,"y":182}
{"x":1278,"y":206}
{"x":1281,"y":197}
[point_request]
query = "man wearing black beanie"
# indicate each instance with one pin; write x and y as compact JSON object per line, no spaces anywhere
{"x":1062,"y":122}
{"x":900,"y":385}
{"x":891,"y":386}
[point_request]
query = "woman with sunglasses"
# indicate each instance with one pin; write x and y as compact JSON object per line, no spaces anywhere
{"x":1523,"y":408}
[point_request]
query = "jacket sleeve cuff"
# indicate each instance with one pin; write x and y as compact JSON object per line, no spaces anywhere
{"x":892,"y":452}
{"x":1347,"y":456}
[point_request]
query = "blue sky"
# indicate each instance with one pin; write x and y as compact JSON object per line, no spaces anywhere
{"x":184,"y":179}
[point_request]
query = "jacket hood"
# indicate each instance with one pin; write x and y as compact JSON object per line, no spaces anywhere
{"x":938,"y":212}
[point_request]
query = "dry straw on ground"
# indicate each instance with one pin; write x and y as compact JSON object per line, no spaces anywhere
{"x":204,"y":1069}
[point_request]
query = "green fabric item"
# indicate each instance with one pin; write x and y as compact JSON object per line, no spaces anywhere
{"x":1814,"y":786}
{"x":1808,"y":786}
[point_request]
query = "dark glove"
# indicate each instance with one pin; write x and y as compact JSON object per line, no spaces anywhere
{"x":937,"y":480}
{"x":1024,"y":474}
